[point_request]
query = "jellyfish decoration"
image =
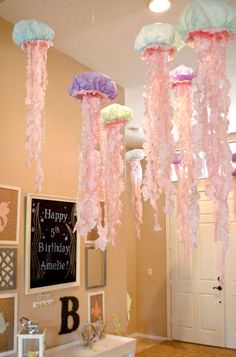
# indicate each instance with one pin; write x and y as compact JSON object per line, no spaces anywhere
{"x":134,"y":158}
{"x":208,"y":25}
{"x":93,"y":90}
{"x":187,"y":161}
{"x":114,"y":116}
{"x":34,"y":38}
{"x":157,"y":43}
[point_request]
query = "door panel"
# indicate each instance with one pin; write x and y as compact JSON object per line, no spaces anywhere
{"x":197,"y":308}
{"x":206,"y":255}
{"x":207,"y":303}
{"x":185,"y":310}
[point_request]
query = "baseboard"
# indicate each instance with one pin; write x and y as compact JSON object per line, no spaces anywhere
{"x":151,"y":337}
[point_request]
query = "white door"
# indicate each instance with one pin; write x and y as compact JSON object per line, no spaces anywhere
{"x":230,"y":285}
{"x":198,"y":308}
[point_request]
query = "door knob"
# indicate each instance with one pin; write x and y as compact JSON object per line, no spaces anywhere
{"x":217,"y":287}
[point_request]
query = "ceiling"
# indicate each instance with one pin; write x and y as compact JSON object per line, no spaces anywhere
{"x":99,"y":33}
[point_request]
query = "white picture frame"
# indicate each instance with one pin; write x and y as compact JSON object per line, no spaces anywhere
{"x":96,"y":306}
{"x":8,"y":323}
{"x":95,"y":267}
{"x":8,"y":268}
{"x":10,"y":201}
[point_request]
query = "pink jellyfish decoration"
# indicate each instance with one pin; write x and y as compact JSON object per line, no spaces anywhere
{"x":187,"y":161}
{"x":208,"y":25}
{"x":157,"y":43}
{"x":93,"y":90}
{"x":134,"y":157}
{"x":34,"y":38}
{"x":114,"y":116}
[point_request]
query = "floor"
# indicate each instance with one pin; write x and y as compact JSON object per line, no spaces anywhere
{"x":152,"y":348}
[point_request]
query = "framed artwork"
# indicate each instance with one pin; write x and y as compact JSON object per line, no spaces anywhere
{"x":96,"y":306}
{"x":95,"y":268}
{"x":8,"y":268}
{"x":8,"y":324}
{"x":52,"y":248}
{"x":9,"y":214}
{"x":93,"y":235}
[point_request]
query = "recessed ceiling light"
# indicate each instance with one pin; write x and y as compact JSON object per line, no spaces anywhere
{"x":159,"y":5}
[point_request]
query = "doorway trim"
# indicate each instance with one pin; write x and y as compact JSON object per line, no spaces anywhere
{"x":168,"y":280}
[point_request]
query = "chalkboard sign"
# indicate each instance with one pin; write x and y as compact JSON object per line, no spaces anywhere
{"x":52,"y":249}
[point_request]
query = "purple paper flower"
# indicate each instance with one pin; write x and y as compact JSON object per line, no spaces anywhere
{"x":176,"y":158}
{"x":234,"y":157}
{"x":182,"y":73}
{"x":93,"y":82}
{"x":234,"y":172}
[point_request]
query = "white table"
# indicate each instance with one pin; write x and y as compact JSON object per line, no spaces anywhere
{"x":110,"y":346}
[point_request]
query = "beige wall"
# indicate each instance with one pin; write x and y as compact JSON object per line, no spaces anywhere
{"x":148,"y":312}
{"x":60,"y":164}
{"x":131,"y":256}
{"x":151,"y":291}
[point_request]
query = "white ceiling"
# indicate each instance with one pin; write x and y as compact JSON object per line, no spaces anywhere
{"x":105,"y":44}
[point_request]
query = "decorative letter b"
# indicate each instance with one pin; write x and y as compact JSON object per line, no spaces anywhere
{"x":66,"y":313}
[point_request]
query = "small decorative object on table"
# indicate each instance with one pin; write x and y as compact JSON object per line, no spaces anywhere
{"x":116,"y":323}
{"x":31,"y":340}
{"x":91,"y":333}
{"x":100,"y":328}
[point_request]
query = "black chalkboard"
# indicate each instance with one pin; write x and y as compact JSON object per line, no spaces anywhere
{"x":51,"y":244}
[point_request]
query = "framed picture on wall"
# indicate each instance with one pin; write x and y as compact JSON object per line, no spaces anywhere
{"x":52,"y":248}
{"x":9,"y":214}
{"x":95,"y":268}
{"x":96,"y":306}
{"x":8,"y":324}
{"x":8,"y":259}
{"x":93,"y":235}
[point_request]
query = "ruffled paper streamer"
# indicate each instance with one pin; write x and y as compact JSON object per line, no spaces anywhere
{"x":158,"y":140}
{"x":134,"y":157}
{"x":34,"y":38}
{"x":208,"y":25}
{"x":212,"y":103}
{"x":93,"y":90}
{"x":186,"y":160}
{"x":114,"y":116}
